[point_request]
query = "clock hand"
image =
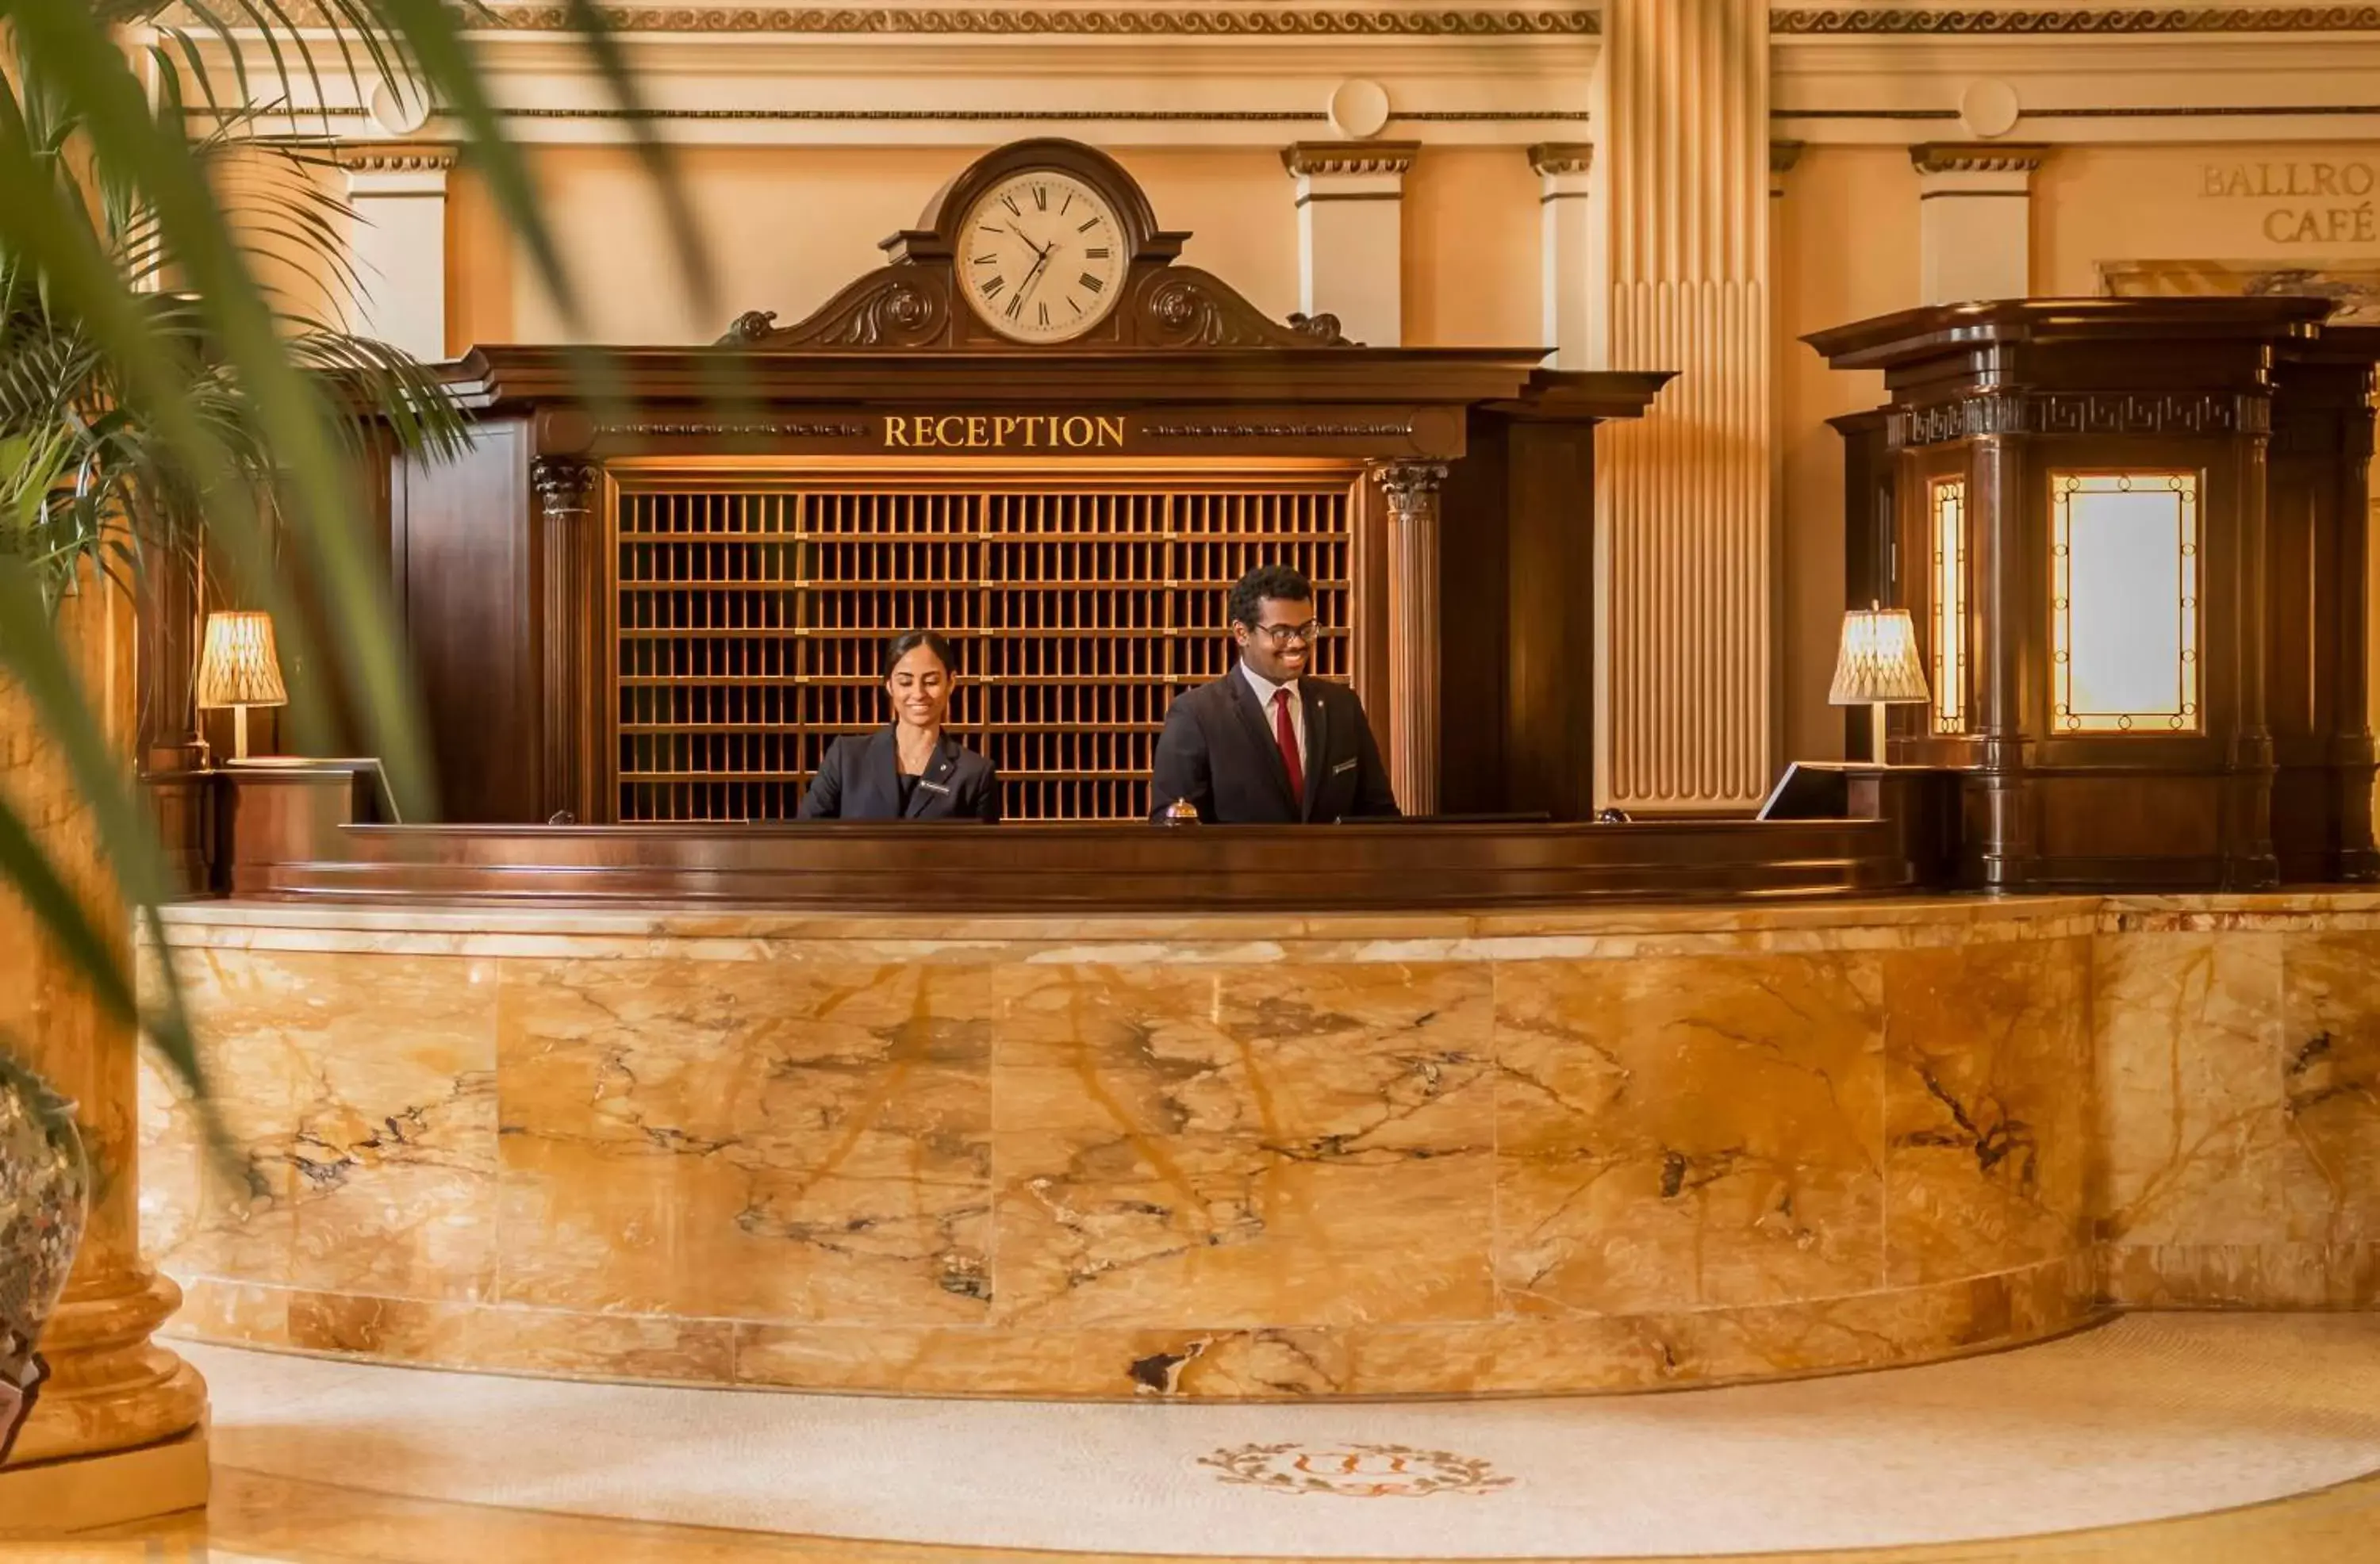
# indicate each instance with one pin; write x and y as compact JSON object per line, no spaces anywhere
{"x":1035,"y":276}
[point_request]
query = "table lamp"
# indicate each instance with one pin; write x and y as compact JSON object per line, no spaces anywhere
{"x":239,"y":668}
{"x":1877,"y":666}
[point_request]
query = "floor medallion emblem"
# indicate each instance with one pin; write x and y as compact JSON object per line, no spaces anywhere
{"x":1353,"y":1471}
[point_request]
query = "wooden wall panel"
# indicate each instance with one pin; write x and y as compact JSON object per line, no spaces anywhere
{"x":1548,"y":753}
{"x":471,"y":618}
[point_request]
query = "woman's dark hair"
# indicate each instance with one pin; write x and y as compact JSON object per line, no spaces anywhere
{"x":908,"y":641}
{"x":1282,"y":582}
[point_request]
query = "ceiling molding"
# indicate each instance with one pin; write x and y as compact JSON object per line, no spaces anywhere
{"x":1110,"y":21}
{"x":2034,"y":20}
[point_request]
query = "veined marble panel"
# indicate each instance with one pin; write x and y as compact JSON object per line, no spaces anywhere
{"x":2331,"y":1082}
{"x":1685,"y":1132}
{"x":747,"y":1140}
{"x":1526,"y":1356}
{"x":360,"y":1098}
{"x":1987,"y":1108}
{"x":2194,"y":1137}
{"x":1241,"y":1146}
{"x":1209,"y":1157}
{"x":2245,"y":1275}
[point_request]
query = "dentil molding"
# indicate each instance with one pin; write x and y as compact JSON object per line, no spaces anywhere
{"x":1554,"y":158}
{"x":381,"y":157}
{"x":1108,"y":21}
{"x":1309,"y":158}
{"x":1977,"y":157}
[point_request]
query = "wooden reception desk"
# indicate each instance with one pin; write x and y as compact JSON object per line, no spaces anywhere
{"x":957,"y":869}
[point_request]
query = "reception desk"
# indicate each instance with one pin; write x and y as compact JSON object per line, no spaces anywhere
{"x":1263,"y":1153}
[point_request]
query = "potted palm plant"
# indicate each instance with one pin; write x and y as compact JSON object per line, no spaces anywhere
{"x":153,"y":393}
{"x":97,"y":492}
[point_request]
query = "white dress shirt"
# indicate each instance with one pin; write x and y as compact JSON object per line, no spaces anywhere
{"x":1264,"y":688}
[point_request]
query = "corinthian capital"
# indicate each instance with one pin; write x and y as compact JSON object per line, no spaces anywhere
{"x":1410,"y":489}
{"x":561,"y":486}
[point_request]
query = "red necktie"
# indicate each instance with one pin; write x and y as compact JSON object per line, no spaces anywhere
{"x":1286,"y":736}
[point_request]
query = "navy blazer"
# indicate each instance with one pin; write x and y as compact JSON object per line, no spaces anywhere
{"x":1218,"y":751}
{"x":859,"y":779}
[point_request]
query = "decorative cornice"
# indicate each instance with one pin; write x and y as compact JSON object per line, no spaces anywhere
{"x":1281,"y":429}
{"x":1197,"y":21}
{"x":1977,"y":157}
{"x":384,"y":157}
{"x":1311,"y":158}
{"x":1907,"y":19}
{"x":2060,"y":412}
{"x":776,"y":428}
{"x":1550,"y":158}
{"x":1178,"y":21}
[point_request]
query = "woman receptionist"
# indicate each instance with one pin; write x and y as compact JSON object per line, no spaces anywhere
{"x":910,"y":769}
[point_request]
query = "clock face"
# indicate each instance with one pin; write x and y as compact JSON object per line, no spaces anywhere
{"x":1041,"y":256}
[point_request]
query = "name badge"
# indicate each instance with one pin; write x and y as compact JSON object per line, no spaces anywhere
{"x":931,"y":787}
{"x":1342,"y":765}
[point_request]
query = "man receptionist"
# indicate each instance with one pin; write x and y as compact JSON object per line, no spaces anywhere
{"x":1264,"y":745}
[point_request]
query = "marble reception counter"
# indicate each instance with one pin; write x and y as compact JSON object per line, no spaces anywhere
{"x":1242,"y":1156}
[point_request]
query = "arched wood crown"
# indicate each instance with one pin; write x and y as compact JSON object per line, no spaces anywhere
{"x":914,"y":301}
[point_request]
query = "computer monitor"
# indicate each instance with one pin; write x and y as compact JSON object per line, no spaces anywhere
{"x":1809,"y":790}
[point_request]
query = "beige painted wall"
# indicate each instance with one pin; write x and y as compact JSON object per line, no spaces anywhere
{"x":785,"y":227}
{"x":1843,"y":247}
{"x":1472,"y":253}
{"x":2201,"y":203}
{"x":263,"y":195}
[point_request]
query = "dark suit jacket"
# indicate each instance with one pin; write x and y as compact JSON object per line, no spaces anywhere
{"x":1218,"y":752}
{"x":860,"y":779}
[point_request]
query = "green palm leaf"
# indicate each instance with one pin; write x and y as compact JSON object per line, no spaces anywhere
{"x":134,"y":420}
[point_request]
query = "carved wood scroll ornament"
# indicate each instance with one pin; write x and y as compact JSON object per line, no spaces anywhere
{"x":914,"y":300}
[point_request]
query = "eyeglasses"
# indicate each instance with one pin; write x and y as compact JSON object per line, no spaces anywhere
{"x":1291,"y":634}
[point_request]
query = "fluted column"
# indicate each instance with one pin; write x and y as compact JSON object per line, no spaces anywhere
{"x":115,"y":1435}
{"x":1684,"y":650}
{"x":1410,"y":489}
{"x":565,"y":659}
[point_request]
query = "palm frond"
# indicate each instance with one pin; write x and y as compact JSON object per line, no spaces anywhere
{"x":153,"y":386}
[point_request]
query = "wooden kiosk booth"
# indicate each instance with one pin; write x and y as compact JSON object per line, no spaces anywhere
{"x":2134,"y":536}
{"x":1061,"y":473}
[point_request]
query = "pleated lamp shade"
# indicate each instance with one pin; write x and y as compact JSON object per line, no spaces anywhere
{"x":239,"y":666}
{"x":1879,"y":662}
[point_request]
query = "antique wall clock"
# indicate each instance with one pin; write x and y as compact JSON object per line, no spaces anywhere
{"x":1041,"y":244}
{"x":1040,"y":255}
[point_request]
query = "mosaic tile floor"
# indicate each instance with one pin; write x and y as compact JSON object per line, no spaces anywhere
{"x":2148,"y":1419}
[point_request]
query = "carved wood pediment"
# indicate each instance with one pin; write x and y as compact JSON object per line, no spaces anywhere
{"x":914,"y":301}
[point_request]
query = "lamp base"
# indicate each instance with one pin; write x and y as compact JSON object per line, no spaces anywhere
{"x":1875,"y":737}
{"x":240,"y":731}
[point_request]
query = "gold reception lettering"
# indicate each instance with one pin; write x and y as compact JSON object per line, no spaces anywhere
{"x":1019,"y":432}
{"x":2303,"y":182}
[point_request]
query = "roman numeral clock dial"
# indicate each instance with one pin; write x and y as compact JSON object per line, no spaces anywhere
{"x":1041,"y":257}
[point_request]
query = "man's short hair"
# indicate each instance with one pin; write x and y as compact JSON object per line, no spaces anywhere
{"x":1282,"y":582}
